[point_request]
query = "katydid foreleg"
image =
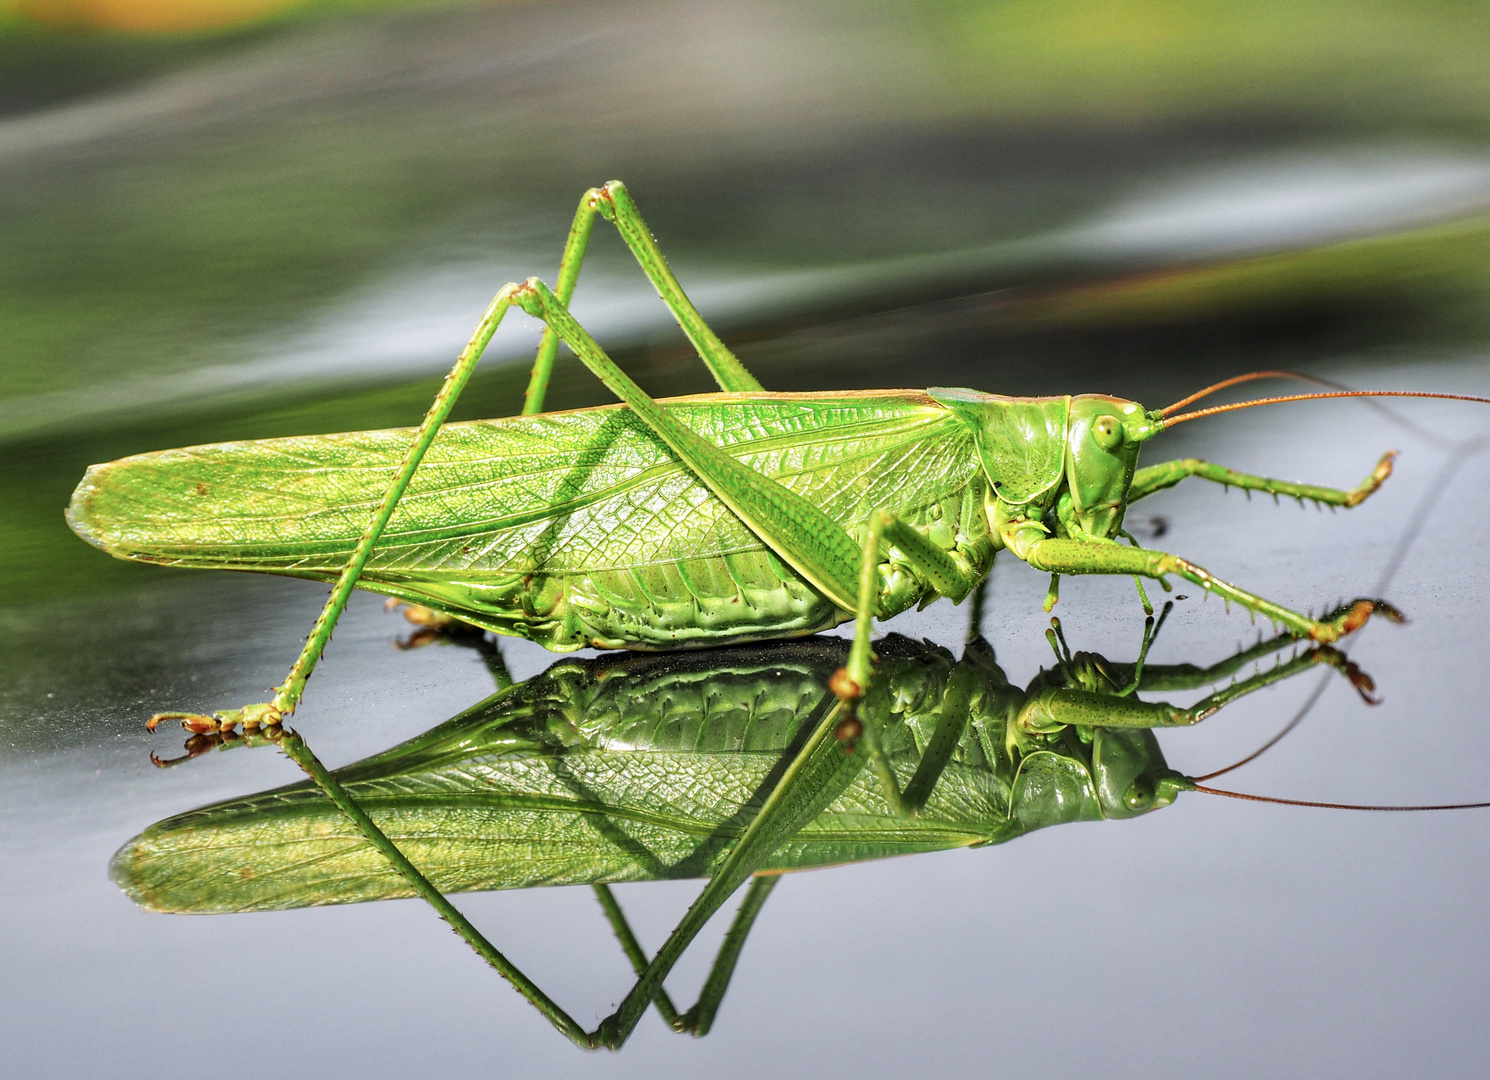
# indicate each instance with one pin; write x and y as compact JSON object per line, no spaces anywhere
{"x":1191,"y":676}
{"x":1169,"y":473}
{"x":1089,"y":671}
{"x":613,"y":202}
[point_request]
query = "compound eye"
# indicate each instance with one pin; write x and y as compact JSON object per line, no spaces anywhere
{"x":1140,"y":794}
{"x":1108,"y":432}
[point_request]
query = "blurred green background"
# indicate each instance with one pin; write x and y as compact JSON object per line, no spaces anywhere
{"x":247,"y":218}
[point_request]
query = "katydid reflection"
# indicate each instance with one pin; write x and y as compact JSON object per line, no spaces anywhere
{"x":725,"y":765}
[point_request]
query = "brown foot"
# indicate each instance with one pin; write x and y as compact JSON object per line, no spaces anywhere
{"x":1349,"y":618}
{"x":205,"y":742}
{"x":251,"y":717}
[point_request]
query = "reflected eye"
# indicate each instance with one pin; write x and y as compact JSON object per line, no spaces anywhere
{"x":1108,"y":432}
{"x":1140,"y":794}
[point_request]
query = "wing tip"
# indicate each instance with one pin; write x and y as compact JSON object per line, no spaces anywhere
{"x":79,"y":512}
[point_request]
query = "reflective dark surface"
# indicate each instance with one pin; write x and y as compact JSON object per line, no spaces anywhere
{"x":293,"y":230}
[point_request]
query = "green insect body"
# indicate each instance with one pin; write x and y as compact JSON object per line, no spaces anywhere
{"x":649,"y":767}
{"x":584,"y":528}
{"x":700,"y":521}
{"x":571,"y":529}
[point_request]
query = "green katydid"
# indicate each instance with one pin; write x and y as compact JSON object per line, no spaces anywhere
{"x":741,"y":515}
{"x":647,"y":767}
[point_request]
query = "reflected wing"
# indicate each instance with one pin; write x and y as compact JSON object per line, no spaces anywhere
{"x":521,"y":821}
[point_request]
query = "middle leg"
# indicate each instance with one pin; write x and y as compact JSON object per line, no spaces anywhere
{"x":852,"y":681}
{"x":1060,"y":556}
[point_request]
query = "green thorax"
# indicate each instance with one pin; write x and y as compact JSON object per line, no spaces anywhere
{"x":1038,"y":453}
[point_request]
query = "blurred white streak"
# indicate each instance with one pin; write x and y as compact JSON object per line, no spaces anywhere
{"x":414,"y":323}
{"x":1288,"y":201}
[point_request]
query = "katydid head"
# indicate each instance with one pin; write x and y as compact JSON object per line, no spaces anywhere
{"x":1103,"y":438}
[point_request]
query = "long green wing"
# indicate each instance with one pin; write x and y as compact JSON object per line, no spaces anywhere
{"x":564,"y":492}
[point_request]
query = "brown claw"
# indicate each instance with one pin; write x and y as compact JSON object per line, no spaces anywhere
{"x":194,"y":722}
{"x":1363,"y":683}
{"x":1336,"y":625}
{"x":1388,"y":612}
{"x":1362,"y":610}
{"x":196,"y":746}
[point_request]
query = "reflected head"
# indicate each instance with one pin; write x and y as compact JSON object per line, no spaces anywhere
{"x":1131,"y":774}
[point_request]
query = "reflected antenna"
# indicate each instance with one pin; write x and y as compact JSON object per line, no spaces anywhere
{"x":1298,"y":718}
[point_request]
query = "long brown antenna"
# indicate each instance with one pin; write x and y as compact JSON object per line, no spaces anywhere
{"x":1251,"y":376}
{"x":1298,"y":718}
{"x":1336,"y":805}
{"x":1215,"y":410}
